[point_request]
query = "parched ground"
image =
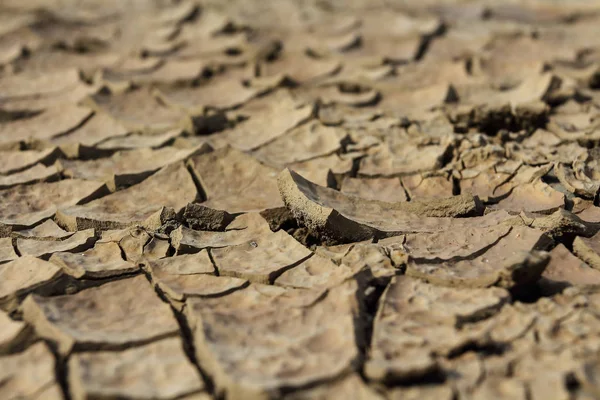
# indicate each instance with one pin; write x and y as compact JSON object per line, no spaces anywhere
{"x":299,"y":199}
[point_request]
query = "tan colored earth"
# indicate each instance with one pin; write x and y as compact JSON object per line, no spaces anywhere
{"x":302,"y":200}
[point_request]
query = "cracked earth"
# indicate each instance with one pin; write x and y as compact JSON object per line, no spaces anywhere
{"x":317,"y":199}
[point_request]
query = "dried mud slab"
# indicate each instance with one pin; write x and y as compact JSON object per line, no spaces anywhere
{"x":339,"y":94}
{"x":172,"y":186}
{"x":533,"y":197}
{"x":37,"y":173}
{"x":415,"y":320}
{"x":128,"y":167}
{"x":299,"y":68}
{"x":307,"y":141}
{"x":325,"y":170}
{"x":587,"y":212}
{"x":565,"y":269}
{"x":405,"y":159}
{"x":167,"y":73}
{"x":420,"y":187}
{"x":510,"y":260}
{"x":318,"y":329}
{"x":414,"y":103}
{"x":29,"y":375}
{"x":50,"y":123}
{"x":422,"y":392}
{"x":47,"y":230}
{"x":115,"y":315}
{"x":530,"y":89}
{"x":138,"y":140}
{"x":588,"y":250}
{"x":178,"y":288}
{"x":14,"y":334}
{"x":38,"y":85}
{"x":138,"y":244}
{"x":317,"y":272}
{"x":220,"y":93}
{"x":189,"y":276}
{"x":7,"y":251}
{"x":241,"y":230}
{"x":190,"y":264}
{"x":489,"y":183}
{"x":382,"y":189}
{"x":79,"y":241}
{"x":28,"y":205}
{"x":498,"y":388}
{"x":157,"y":247}
{"x":337,"y":217}
{"x":102,"y":261}
{"x":16,"y":161}
{"x":235,"y":182}
{"x":24,"y":275}
{"x":131,"y":240}
{"x":158,"y":370}
{"x":99,"y":128}
{"x":447,"y":245}
{"x":279,"y":112}
{"x":140,"y":110}
{"x":37,"y":103}
{"x":338,"y":114}
{"x":351,"y":387}
{"x":373,"y":260}
{"x":260,"y":259}
{"x":466,"y":371}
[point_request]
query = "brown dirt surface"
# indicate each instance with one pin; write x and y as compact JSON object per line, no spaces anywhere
{"x":283,"y":199}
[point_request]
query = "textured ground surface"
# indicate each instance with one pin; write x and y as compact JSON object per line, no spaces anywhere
{"x":312,"y":199}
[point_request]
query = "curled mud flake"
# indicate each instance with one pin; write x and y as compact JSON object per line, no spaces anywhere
{"x":335,"y":216}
